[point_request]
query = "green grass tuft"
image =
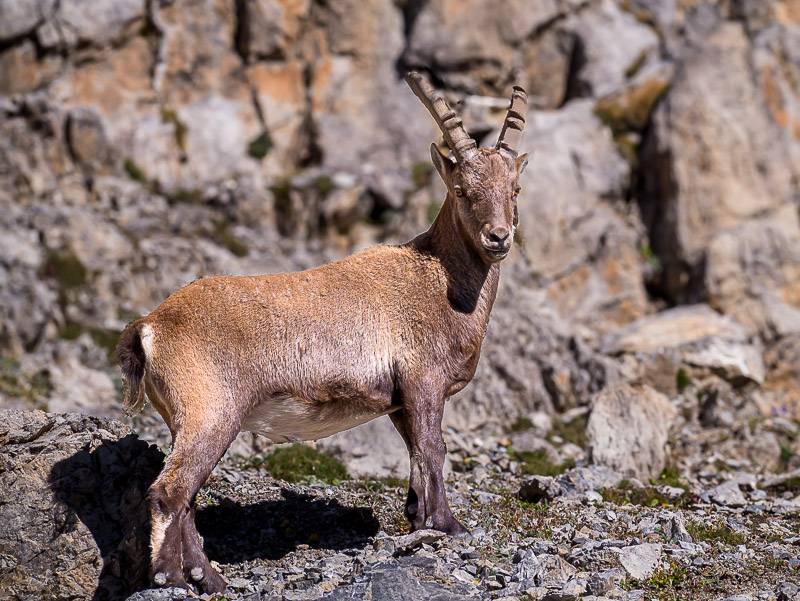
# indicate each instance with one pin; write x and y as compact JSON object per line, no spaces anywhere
{"x":521,"y":424}
{"x":538,"y":463}
{"x":715,"y":532}
{"x":648,"y":496}
{"x":671,"y":476}
{"x":33,"y":388}
{"x":421,"y":174}
{"x":573,"y":431}
{"x":260,"y":146}
{"x":682,"y":380}
{"x":135,"y":172}
{"x":65,"y":268}
{"x":301,"y":463}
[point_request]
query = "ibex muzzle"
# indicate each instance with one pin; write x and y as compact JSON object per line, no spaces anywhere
{"x":298,"y":356}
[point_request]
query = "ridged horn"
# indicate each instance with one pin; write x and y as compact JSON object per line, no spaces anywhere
{"x":446,"y":118}
{"x":515,"y":122}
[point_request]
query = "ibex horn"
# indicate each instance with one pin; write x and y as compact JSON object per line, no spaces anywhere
{"x":453,"y":130}
{"x":514,"y":123}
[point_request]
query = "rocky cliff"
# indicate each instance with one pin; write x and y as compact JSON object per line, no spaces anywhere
{"x":144,"y":144}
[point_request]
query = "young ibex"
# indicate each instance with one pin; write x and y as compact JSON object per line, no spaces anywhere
{"x":299,"y":356}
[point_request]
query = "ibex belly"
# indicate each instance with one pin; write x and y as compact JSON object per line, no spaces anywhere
{"x":285,"y":418}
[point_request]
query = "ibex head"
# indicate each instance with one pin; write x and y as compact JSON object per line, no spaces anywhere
{"x":483,"y":183}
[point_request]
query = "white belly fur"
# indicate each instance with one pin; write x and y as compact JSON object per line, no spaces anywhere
{"x":285,"y":419}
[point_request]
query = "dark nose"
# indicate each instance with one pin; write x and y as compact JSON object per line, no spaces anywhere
{"x":498,"y":235}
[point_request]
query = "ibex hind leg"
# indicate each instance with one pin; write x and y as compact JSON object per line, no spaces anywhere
{"x":420,"y":425}
{"x":177,"y":553}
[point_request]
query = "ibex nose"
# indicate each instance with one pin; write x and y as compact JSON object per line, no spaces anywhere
{"x":498,"y":235}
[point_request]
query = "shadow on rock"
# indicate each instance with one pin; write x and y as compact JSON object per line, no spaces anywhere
{"x":271,"y":529}
{"x":105,"y":489}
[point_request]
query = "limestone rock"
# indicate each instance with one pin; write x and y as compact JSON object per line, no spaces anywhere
{"x":77,"y":509}
{"x":628,"y":430}
{"x":640,"y":561}
{"x":613,"y":44}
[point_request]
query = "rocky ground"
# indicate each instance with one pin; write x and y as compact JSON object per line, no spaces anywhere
{"x":71,"y":525}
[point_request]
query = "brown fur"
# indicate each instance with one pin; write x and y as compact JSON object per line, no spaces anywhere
{"x":391,"y":330}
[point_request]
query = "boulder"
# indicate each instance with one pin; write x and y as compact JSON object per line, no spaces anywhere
{"x":640,"y":561}
{"x":613,"y":45}
{"x":692,"y":337}
{"x":628,"y":430}
{"x":72,"y":517}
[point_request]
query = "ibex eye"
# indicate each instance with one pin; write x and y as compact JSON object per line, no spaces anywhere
{"x":459,"y":192}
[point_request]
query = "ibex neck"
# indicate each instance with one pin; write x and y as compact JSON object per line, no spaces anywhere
{"x":470,"y":279}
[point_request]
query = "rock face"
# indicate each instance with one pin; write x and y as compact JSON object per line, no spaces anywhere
{"x":72,"y":521}
{"x":628,"y":430}
{"x":146,"y":144}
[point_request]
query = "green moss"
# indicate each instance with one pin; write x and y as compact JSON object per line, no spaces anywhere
{"x":628,"y":147}
{"x":787,"y":454}
{"x":790,"y":485}
{"x":521,"y":424}
{"x":105,"y":338}
{"x":682,"y":380}
{"x":573,"y":431}
{"x":647,"y":253}
{"x":229,"y":240}
{"x":300,"y":463}
{"x":65,"y":268}
{"x":323,"y":184}
{"x":421,"y":174}
{"x":715,"y":532}
{"x":636,"y":65}
{"x":648,"y":496}
{"x":671,"y":476}
{"x":630,"y":110}
{"x":666,"y":578}
{"x":260,"y":146}
{"x":70,"y":331}
{"x":186,"y":195}
{"x":170,"y":116}
{"x":539,"y":463}
{"x":33,"y":388}
{"x":135,"y":172}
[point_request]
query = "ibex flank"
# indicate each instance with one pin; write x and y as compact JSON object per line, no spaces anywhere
{"x":299,"y":356}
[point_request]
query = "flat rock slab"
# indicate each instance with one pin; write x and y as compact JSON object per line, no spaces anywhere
{"x":640,"y":561}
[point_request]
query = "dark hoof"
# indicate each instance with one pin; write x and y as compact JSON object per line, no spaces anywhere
{"x":454,"y":528}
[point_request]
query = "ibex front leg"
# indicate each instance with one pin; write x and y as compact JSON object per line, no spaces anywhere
{"x":420,"y":425}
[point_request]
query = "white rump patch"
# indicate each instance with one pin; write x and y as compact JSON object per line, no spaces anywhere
{"x":147,"y":337}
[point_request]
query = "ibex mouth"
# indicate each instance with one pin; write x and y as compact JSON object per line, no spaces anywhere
{"x":497,"y":254}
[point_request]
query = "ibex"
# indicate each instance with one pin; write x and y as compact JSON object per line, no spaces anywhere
{"x":299,"y":356}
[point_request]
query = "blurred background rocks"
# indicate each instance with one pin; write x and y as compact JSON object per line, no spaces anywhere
{"x":146,"y":143}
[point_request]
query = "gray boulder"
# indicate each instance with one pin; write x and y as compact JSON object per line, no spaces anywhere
{"x":72,"y":518}
{"x":628,"y":430}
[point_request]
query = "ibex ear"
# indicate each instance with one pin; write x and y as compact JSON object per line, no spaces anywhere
{"x":443,"y":164}
{"x":522,"y":162}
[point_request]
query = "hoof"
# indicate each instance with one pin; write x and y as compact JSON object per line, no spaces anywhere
{"x":165,"y":579}
{"x":207,"y":580}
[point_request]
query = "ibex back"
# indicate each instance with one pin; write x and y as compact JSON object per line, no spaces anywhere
{"x":298,"y":356}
